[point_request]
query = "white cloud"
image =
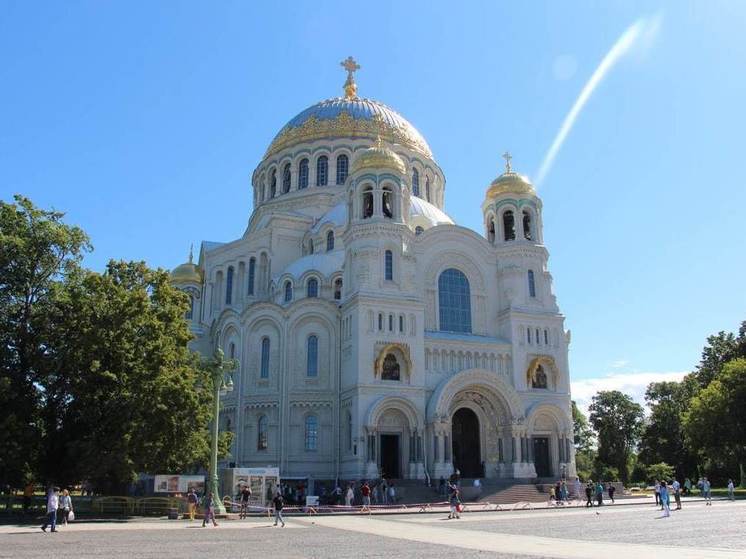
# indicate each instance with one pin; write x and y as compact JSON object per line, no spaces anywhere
{"x":619,"y":363}
{"x":632,"y":384}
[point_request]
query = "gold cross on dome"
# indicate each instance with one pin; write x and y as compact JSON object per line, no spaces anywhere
{"x":350,"y":86}
{"x":507,"y":158}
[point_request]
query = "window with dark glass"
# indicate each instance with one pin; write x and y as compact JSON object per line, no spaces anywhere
{"x":380,"y":321}
{"x":264,"y":371}
{"x":427,"y":188}
{"x":273,"y":183}
{"x":389,"y":265}
{"x":418,"y":230}
{"x":312,"y":288}
{"x":491,"y":231}
{"x":391,"y":369}
{"x":261,"y":433}
{"x":342,"y":168}
{"x":401,"y":323}
{"x":330,"y":241}
{"x":312,"y":433}
{"x":416,"y":183}
{"x":286,"y":178}
{"x":303,"y":173}
{"x":454,"y":301}
{"x":229,"y":286}
{"x":509,"y":225}
{"x":546,"y":337}
{"x":312,"y":357}
{"x":367,"y":204}
{"x":527,"y":225}
{"x":338,"y":289}
{"x":531,"y":284}
{"x":540,"y":378}
{"x":252,"y":274}
{"x":288,"y":291}
{"x":391,"y":323}
{"x":387,"y":203}
{"x":322,"y":170}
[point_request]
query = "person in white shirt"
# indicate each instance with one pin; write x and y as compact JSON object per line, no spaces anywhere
{"x":578,"y":489}
{"x":676,"y":488}
{"x":349,"y":496}
{"x":706,"y":491}
{"x":53,"y":503}
{"x":731,"y":490}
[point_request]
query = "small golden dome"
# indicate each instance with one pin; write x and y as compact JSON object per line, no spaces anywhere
{"x":510,"y":182}
{"x":187,"y":272}
{"x":378,"y":157}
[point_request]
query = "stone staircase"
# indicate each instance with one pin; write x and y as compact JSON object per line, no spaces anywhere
{"x":498,"y":492}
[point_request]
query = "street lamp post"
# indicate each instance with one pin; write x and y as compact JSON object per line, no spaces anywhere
{"x":218,"y":367}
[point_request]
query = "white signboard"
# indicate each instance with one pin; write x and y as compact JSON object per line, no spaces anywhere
{"x":178,"y":484}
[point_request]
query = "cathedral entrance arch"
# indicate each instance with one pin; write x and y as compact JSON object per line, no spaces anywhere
{"x":467,"y":452}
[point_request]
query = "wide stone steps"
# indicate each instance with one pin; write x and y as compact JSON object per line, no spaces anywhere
{"x":410,"y":492}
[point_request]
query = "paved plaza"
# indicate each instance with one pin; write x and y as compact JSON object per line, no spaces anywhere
{"x":631,"y":532}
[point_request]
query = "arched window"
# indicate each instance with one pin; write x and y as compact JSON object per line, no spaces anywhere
{"x":264,"y":371}
{"x":531,"y":284}
{"x":312,"y":288}
{"x":288,"y":291}
{"x":190,"y":310}
{"x":312,"y":356}
{"x":252,"y":275}
{"x":229,"y":286}
{"x":389,"y":265}
{"x":310,"y":246}
{"x":342,"y":167}
{"x":391,"y":369}
{"x":286,"y":178}
{"x":491,"y":230}
{"x":367,"y":203}
{"x":509,"y":225}
{"x":273,"y":183}
{"x":330,"y":241}
{"x":416,"y":183}
{"x":338,"y":289}
{"x":454,"y":300}
{"x":427,"y":188}
{"x":232,"y":351}
{"x":380,"y":321}
{"x":540,"y":378}
{"x":387,"y":203}
{"x":303,"y":173}
{"x":401,"y":323}
{"x":418,"y":230}
{"x":322,"y":170}
{"x":391,"y":323}
{"x":312,"y":433}
{"x":546,"y":337}
{"x":261,"y":192}
{"x":527,"y":225}
{"x":528,"y":335}
{"x":261,"y":433}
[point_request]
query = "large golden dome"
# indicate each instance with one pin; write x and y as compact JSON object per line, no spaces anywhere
{"x":188,"y":272}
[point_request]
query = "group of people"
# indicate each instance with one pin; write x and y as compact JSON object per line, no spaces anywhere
{"x":382,"y":492}
{"x":595,"y":492}
{"x":58,"y":505}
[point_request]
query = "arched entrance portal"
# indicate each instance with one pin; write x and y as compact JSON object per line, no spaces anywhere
{"x":466,"y":447}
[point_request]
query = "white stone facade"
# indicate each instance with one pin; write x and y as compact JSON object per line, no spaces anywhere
{"x":470,"y":391}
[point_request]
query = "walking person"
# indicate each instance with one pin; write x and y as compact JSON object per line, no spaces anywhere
{"x":687,"y":486}
{"x":192,"y":502}
{"x":657,"y":493}
{"x":66,"y":506}
{"x":600,"y":493}
{"x":365,"y":492}
{"x":551,"y":494}
{"x":53,"y":503}
{"x":578,"y":489}
{"x":563,"y":492}
{"x":279,"y":503}
{"x":589,"y":493}
{"x":706,"y":487}
{"x":611,"y":489}
{"x":664,"y":500}
{"x":731,"y":490}
{"x":392,"y":494}
{"x":245,"y":496}
{"x":676,"y":488}
{"x":209,"y":509}
{"x":349,"y":496}
{"x":455,"y":502}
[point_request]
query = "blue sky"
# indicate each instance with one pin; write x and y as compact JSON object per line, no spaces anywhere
{"x":144,"y":120}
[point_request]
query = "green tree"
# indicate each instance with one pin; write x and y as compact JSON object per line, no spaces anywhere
{"x":660,"y":471}
{"x":37,"y":251}
{"x":662,"y":438}
{"x":125,"y":395}
{"x":715,"y":423}
{"x":617,"y":420}
{"x":585,"y":454}
{"x":720,"y":349}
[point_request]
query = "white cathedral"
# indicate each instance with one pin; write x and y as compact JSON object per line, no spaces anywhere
{"x":375,"y":336}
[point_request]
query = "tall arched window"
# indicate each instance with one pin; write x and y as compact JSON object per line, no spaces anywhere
{"x":232,"y":351}
{"x":312,"y":288}
{"x":454,"y":300}
{"x":310,"y":246}
{"x":491,"y":230}
{"x":288,"y":291}
{"x":264,"y":371}
{"x":531,"y":284}
{"x":322,"y":171}
{"x":286,"y":178}
{"x":387,"y":203}
{"x":303,"y":173}
{"x":252,"y":275}
{"x":312,"y":433}
{"x":367,"y":203}
{"x":190,"y":310}
{"x":343,"y":164}
{"x":391,"y":369}
{"x":380,"y":321}
{"x":427,"y":188}
{"x":229,"y":286}
{"x":261,"y":433}
{"x":330,"y":241}
{"x":509,"y":225}
{"x":416,"y":183}
{"x":527,"y":225}
{"x":312,"y":356}
{"x":389,"y":265}
{"x":338,"y":289}
{"x":273,"y":183}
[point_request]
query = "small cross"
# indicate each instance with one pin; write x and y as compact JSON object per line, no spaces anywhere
{"x":350,"y":65}
{"x":507,"y":158}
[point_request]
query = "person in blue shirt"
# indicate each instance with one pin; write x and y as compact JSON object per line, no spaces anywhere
{"x":665,"y":502}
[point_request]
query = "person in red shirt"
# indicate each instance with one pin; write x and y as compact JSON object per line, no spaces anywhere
{"x":365,"y":490}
